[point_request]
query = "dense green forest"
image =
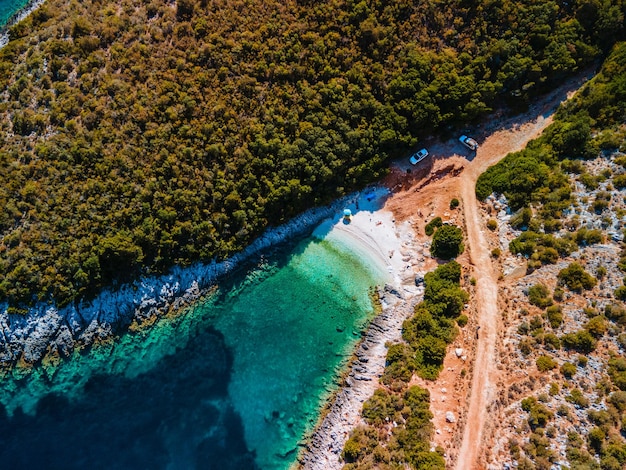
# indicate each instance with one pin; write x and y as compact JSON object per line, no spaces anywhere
{"x":139,"y":134}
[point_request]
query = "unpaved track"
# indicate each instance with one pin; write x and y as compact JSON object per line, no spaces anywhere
{"x":494,"y":148}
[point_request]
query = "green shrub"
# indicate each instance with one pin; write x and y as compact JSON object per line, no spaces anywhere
{"x":539,"y":295}
{"x":555,"y":316}
{"x":492,"y":224}
{"x":589,"y":181}
{"x":617,"y":372}
{"x":522,"y":218}
{"x":454,"y":203}
{"x":450,"y":271}
{"x":532,"y":242}
{"x":548,"y":255}
{"x":586,"y":236}
{"x":576,"y":278}
{"x":618,"y":400}
{"x":568,"y":370}
{"x":462,"y":320}
{"x":362,"y":441}
{"x":381,"y":408}
{"x":545,"y":363}
{"x":577,"y":398}
{"x":581,"y":341}
{"x":558,"y":294}
{"x":619,"y":181}
{"x":536,"y":325}
{"x":590,"y":312}
{"x":430,"y":227}
{"x":572,"y":166}
{"x":554,"y":389}
{"x":551,"y":341}
{"x":600,"y":205}
{"x":615,"y":313}
{"x":526,"y":346}
{"x":351,"y":450}
{"x":399,"y":366}
{"x":496,"y":253}
{"x":447,"y":242}
{"x":620,"y":293}
{"x":596,"y":438}
{"x":538,"y":414}
{"x":597,"y":326}
{"x":432,"y":328}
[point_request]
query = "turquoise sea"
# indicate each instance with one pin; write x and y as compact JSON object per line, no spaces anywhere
{"x":9,"y":7}
{"x":235,"y":382}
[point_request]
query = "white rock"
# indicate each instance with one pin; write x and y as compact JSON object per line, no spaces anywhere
{"x":458,"y":352}
{"x":450,"y":417}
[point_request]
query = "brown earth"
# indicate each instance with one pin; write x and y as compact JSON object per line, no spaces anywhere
{"x":467,"y":385}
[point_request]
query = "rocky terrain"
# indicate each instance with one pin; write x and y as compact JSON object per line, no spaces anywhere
{"x":514,"y":439}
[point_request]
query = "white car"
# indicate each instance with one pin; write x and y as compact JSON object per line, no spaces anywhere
{"x":418,"y":156}
{"x":468,"y":142}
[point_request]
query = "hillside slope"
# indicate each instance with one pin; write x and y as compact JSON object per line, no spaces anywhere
{"x":136,"y":136}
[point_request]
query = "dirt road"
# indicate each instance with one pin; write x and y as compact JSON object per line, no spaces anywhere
{"x":494,"y":148}
{"x":418,"y":196}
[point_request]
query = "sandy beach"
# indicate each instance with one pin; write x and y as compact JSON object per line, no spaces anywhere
{"x":392,"y":249}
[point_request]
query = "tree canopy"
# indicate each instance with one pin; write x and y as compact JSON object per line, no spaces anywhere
{"x":447,"y":242}
{"x":138,"y":135}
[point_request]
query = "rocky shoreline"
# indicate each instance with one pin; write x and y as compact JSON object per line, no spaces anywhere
{"x":16,"y":18}
{"x":324,"y":447}
{"x":46,"y":330}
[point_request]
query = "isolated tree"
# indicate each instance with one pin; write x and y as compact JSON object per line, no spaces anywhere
{"x":447,"y":242}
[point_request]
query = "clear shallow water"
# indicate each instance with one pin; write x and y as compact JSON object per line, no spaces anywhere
{"x":10,"y":7}
{"x":233,"y":383}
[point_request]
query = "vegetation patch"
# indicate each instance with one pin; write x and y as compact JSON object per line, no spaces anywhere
{"x":186,"y":137}
{"x":447,"y":242}
{"x":398,"y":418}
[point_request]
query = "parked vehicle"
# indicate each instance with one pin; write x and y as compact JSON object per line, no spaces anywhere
{"x":468,"y":142}
{"x":418,"y":156}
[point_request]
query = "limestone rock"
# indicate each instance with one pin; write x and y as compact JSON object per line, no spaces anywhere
{"x":64,"y":341}
{"x":43,"y":330}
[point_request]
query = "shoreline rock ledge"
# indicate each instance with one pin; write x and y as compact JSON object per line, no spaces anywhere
{"x":45,"y":330}
{"x":323,"y":449}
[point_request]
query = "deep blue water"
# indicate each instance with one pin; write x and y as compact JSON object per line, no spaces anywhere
{"x":8,"y":8}
{"x":139,"y":422}
{"x":235,"y":382}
